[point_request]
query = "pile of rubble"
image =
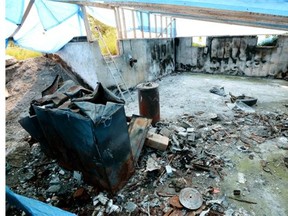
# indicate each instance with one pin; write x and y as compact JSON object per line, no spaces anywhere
{"x":179,"y":170}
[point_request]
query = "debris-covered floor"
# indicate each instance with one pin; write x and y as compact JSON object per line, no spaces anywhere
{"x":236,"y":158}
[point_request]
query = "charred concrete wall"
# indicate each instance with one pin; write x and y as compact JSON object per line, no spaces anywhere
{"x":159,"y":57}
{"x":155,"y":58}
{"x":233,"y":55}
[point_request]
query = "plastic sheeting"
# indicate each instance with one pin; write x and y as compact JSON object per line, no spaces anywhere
{"x":48,"y":26}
{"x":33,"y":207}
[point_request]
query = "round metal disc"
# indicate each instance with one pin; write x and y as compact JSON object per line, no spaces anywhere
{"x":190,"y":198}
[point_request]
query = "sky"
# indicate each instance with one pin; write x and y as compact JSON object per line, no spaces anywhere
{"x":201,"y":28}
{"x":188,"y":27}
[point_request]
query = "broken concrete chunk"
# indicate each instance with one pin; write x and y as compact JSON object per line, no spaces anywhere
{"x":191,"y":137}
{"x":169,"y":170}
{"x":241,"y":178}
{"x":54,"y":188}
{"x":157,"y":141}
{"x":55,"y":181}
{"x":112,"y":208}
{"x":165,"y":132}
{"x":175,"y":140}
{"x":282,"y":143}
{"x":152,"y":164}
{"x":102,"y":198}
{"x":182,"y":134}
{"x":62,"y":172}
{"x":243,"y":107}
{"x":77,"y":176}
{"x":130,"y":206}
{"x":178,"y":129}
{"x":190,"y":130}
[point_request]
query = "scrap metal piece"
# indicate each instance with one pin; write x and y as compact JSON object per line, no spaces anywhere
{"x":190,"y":198}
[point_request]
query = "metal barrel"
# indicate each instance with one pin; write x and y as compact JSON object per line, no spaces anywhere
{"x":148,"y":98}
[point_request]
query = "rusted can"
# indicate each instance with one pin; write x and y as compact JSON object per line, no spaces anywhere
{"x":148,"y":98}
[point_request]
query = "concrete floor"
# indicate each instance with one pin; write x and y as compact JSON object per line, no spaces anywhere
{"x":188,"y":93}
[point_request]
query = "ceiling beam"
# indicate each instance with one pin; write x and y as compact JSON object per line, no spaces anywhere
{"x":198,"y":13}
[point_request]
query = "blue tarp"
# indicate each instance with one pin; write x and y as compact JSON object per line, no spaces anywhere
{"x":33,"y":207}
{"x":48,"y":26}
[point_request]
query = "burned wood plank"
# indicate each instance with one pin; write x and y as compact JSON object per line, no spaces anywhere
{"x":138,"y":129}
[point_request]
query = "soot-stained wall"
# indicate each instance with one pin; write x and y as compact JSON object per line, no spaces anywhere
{"x":155,"y":58}
{"x":233,"y":55}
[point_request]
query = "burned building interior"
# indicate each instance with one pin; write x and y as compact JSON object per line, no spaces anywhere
{"x":164,"y":127}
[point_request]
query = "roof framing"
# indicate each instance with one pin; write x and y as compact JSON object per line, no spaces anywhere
{"x":247,"y":18}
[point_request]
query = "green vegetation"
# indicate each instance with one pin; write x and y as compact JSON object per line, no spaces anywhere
{"x":199,"y":41}
{"x":109,"y":35}
{"x":20,"y":53}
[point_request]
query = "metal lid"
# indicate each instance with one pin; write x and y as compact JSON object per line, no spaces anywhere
{"x":147,"y":85}
{"x":190,"y":198}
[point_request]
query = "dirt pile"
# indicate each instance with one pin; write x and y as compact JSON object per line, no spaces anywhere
{"x":25,"y":80}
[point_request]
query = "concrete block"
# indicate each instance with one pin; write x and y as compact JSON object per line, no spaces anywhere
{"x":157,"y":141}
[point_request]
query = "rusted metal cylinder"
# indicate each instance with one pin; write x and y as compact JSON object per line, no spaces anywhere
{"x":148,"y":98}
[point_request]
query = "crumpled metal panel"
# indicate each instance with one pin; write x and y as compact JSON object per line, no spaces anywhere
{"x":89,"y":135}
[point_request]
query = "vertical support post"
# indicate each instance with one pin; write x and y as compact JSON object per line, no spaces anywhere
{"x":133,"y":21}
{"x":117,"y":29}
{"x":161,"y":26}
{"x":174,"y":27}
{"x":171,"y":27}
{"x":149,"y":25}
{"x":155,"y":19}
{"x":118,"y":20}
{"x":166,"y":23}
{"x":117,"y":23}
{"x":86,"y":23}
{"x":141,"y":18}
{"x":124,"y":23}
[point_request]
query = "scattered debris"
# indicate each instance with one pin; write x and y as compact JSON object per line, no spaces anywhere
{"x":152,"y":164}
{"x":250,"y":101}
{"x":236,"y":192}
{"x":243,"y":107}
{"x":193,"y":155}
{"x":242,"y":200}
{"x":282,"y":142}
{"x":218,"y":90}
